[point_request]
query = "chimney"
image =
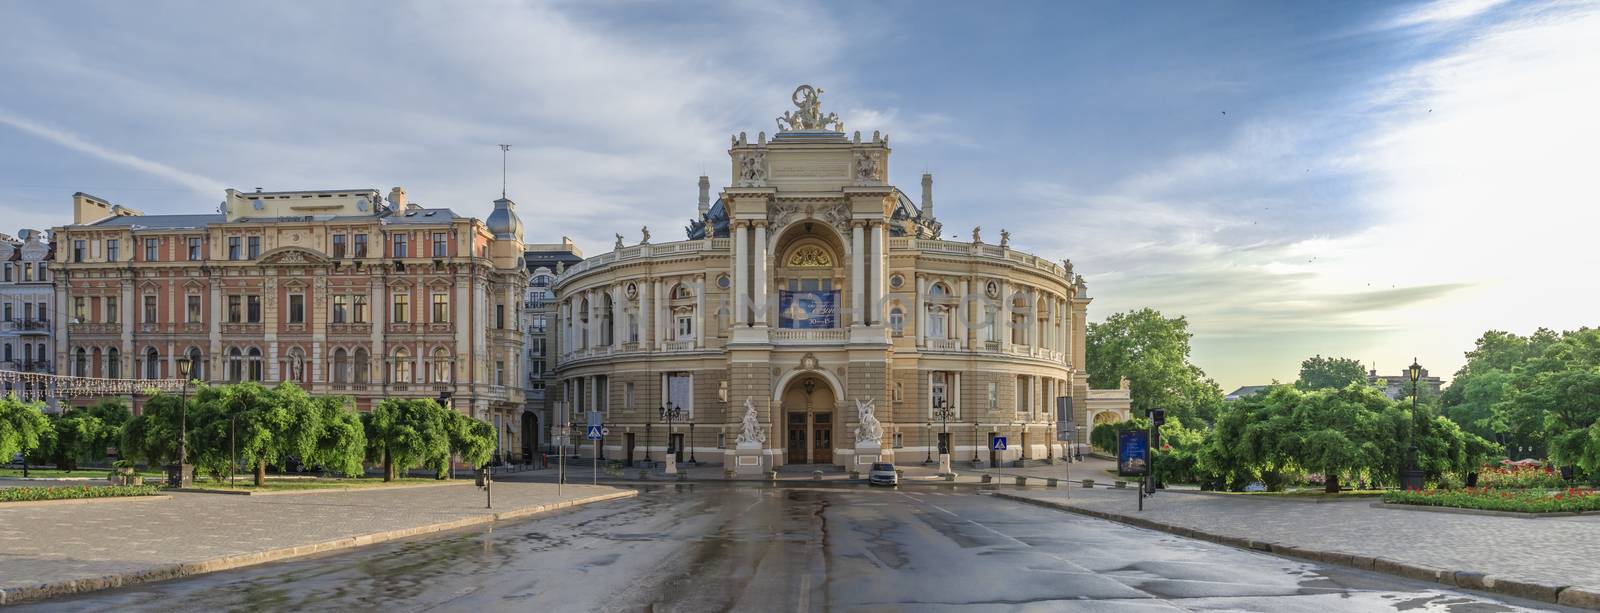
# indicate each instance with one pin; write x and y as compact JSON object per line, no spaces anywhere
{"x":927,"y":195}
{"x":705,"y":195}
{"x":397,"y":199}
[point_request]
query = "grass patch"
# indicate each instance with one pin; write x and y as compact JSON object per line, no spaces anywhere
{"x":53,"y":473}
{"x":1312,"y":493}
{"x":294,"y":485}
{"x":31,"y":494}
{"x":1517,"y":500}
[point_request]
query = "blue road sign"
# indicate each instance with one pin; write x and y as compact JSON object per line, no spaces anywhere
{"x":998,"y":444}
{"x":594,"y":433}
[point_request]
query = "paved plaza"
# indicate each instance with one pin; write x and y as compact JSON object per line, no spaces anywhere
{"x":102,"y":543}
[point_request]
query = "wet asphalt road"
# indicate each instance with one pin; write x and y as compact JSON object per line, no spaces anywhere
{"x":742,"y":548}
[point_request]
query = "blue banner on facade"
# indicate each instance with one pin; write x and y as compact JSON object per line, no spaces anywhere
{"x":1133,"y":453}
{"x":807,"y":310}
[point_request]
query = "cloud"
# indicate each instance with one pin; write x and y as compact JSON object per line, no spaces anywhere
{"x":153,"y":168}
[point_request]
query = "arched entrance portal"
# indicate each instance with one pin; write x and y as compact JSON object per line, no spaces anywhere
{"x":530,"y":435}
{"x":809,"y":419}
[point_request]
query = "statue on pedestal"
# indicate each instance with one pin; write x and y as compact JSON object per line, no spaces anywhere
{"x":869,"y":431}
{"x":750,"y":432}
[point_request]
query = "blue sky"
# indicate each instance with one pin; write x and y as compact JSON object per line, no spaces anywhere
{"x":1371,"y":180}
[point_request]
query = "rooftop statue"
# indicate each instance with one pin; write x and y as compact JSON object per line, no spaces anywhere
{"x":809,"y":115}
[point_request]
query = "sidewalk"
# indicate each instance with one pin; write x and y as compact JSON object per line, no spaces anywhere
{"x":1553,"y":559}
{"x":50,"y":551}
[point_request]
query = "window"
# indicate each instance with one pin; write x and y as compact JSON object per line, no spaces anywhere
{"x":994,"y":395}
{"x":540,"y":323}
{"x":627,"y":396}
{"x":79,"y":310}
{"x":339,"y":307}
{"x":297,"y":308}
{"x":254,"y":247}
{"x":361,"y":370}
{"x":8,"y":352}
{"x":110,"y":315}
{"x":80,"y":365}
{"x":8,"y":273}
{"x":149,"y":309}
{"x":685,"y":327}
{"x":27,"y":273}
{"x":41,"y":271}
{"x":197,"y":364}
{"x":341,"y":366}
{"x":400,"y":245}
{"x":402,"y":308}
{"x":255,"y":364}
{"x":402,"y":365}
{"x":192,"y":308}
{"x":235,"y":308}
{"x":111,"y":249}
{"x":152,"y":249}
{"x":499,"y":372}
{"x":938,"y":389}
{"x":441,"y":365}
{"x":113,"y":364}
{"x":897,"y":321}
{"x":338,"y":246}
{"x":252,"y":309}
{"x":42,"y":316}
{"x":441,"y":246}
{"x":1024,"y":394}
{"x":152,"y":364}
{"x":8,"y":318}
{"x":500,"y":316}
{"x":194,"y":249}
{"x":235,"y":365}
{"x":359,"y":315}
{"x":602,"y":394}
{"x":536,"y":367}
{"x":233,"y":247}
{"x":27,"y":310}
{"x":441,"y":308}
{"x":361,"y":245}
{"x":78,"y":248}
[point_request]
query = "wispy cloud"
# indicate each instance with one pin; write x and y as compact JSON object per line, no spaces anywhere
{"x":153,"y":168}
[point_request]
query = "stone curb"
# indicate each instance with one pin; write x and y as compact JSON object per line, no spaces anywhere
{"x":1572,"y":596}
{"x":174,"y":571}
{"x":71,"y":501}
{"x":1460,"y":511}
{"x":376,"y":488}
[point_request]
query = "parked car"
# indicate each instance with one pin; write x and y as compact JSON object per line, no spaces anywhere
{"x":882,"y":473}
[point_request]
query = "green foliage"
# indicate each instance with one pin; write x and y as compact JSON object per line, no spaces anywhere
{"x":1104,"y":436}
{"x":1522,"y":500}
{"x":472,"y":439}
{"x":406,"y":433}
{"x":1178,"y":458}
{"x":1152,"y":352}
{"x":1318,"y":372}
{"x":1553,"y":395}
{"x":30,"y":494}
{"x":23,"y":427}
{"x":152,"y":436}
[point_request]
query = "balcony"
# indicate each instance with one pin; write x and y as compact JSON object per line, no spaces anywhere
{"x":443,"y":326}
{"x":361,"y":328}
{"x":942,"y":344}
{"x":26,"y":326}
{"x":791,"y":336}
{"x":26,"y":366}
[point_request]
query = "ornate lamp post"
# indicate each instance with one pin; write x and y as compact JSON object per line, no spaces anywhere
{"x":928,"y":461}
{"x":181,"y":475}
{"x":670,"y":413}
{"x":647,"y":444}
{"x":1411,"y":476}
{"x":944,"y":414}
{"x":975,"y":443}
{"x":691,"y":442}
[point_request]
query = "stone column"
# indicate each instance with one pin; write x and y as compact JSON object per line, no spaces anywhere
{"x":920,"y":310}
{"x":1002,"y":315}
{"x":700,"y":317}
{"x":880,"y":279}
{"x":741,"y":263}
{"x":663,"y":313}
{"x":647,"y":332}
{"x":759,"y":291}
{"x":972,"y":304}
{"x":857,"y":282}
{"x":619,"y":325}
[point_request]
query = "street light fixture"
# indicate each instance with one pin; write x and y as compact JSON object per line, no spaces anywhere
{"x":670,"y":413}
{"x":181,"y":475}
{"x":944,"y":414}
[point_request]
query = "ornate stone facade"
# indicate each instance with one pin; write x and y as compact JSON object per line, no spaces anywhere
{"x":810,"y":289}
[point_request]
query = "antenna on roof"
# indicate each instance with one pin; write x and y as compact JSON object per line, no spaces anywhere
{"x":503,"y":150}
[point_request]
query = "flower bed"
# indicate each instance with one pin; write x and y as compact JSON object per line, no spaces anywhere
{"x":1568,"y":500}
{"x":30,"y":494}
{"x":1512,"y":476}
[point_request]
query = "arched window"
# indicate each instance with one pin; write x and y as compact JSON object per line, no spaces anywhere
{"x":255,"y":364}
{"x":235,"y":365}
{"x":605,"y":320}
{"x":583,"y":327}
{"x":362,"y":367}
{"x":402,"y":365}
{"x":197,"y":364}
{"x":41,"y":352}
{"x":152,"y":363}
{"x":8,"y":352}
{"x":113,"y":363}
{"x":80,"y":363}
{"x":897,"y":320}
{"x":441,"y":365}
{"x":341,"y":366}
{"x":296,"y":363}
{"x":938,"y":311}
{"x":682,"y":305}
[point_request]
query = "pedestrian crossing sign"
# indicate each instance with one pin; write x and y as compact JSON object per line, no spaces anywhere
{"x":594,"y":433}
{"x":998,"y":444}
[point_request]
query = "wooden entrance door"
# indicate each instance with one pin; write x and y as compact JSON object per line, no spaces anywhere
{"x":994,"y":456}
{"x":797,"y":439}
{"x":822,"y":438}
{"x":628,"y":445}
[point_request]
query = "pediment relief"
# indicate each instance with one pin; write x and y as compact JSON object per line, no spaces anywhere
{"x":292,"y":256}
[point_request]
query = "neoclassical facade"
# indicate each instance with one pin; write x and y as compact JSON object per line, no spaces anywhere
{"x":337,"y":291}
{"x":810,"y":288}
{"x":27,"y":301}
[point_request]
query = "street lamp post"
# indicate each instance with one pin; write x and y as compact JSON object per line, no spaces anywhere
{"x":647,"y":444}
{"x":944,"y":414}
{"x":1411,"y":477}
{"x":691,"y":443}
{"x":181,"y":475}
{"x":974,"y":444}
{"x":928,"y":460}
{"x":670,"y":413}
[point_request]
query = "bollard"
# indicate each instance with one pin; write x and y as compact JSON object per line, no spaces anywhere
{"x":988,"y":478}
{"x":816,"y":475}
{"x":1022,"y":480}
{"x":1051,"y":482}
{"x":1088,"y":484}
{"x":1121,"y":485}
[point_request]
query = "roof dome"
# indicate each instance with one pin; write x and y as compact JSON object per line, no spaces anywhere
{"x":503,"y":222}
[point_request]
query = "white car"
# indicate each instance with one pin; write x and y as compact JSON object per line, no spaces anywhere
{"x":882,"y":473}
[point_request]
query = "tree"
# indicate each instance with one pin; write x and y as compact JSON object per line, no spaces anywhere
{"x":341,"y":442}
{"x":152,"y":436}
{"x":1341,"y":432}
{"x":1486,"y":381}
{"x":472,"y":439}
{"x":1318,"y":372}
{"x":1152,"y":352}
{"x":406,"y":433}
{"x":1556,"y":395}
{"x":23,"y":428}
